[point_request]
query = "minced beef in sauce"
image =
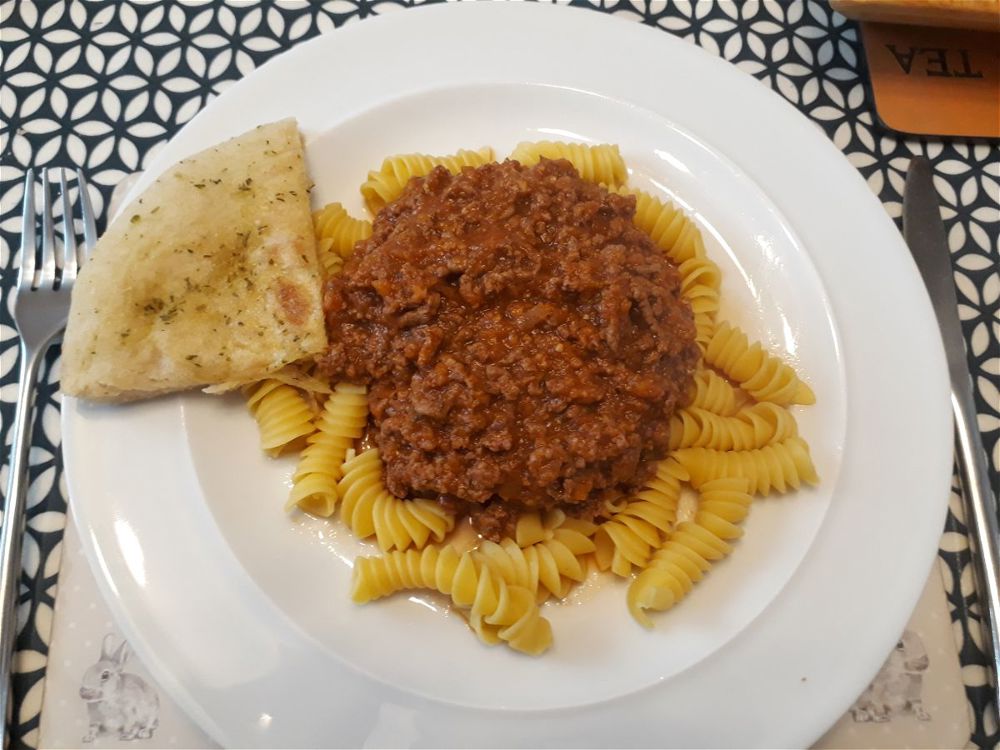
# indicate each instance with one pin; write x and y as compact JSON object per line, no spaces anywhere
{"x":524,"y":344}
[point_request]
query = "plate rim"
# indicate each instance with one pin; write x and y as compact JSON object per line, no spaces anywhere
{"x":371,"y":26}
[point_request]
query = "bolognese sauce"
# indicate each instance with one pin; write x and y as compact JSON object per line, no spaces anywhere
{"x":523,"y":343}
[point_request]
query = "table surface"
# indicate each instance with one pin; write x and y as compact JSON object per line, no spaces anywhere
{"x":101,"y":85}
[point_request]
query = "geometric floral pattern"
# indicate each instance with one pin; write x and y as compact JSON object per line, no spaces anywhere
{"x":102,"y":85}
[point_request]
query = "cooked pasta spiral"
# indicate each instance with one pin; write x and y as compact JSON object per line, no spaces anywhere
{"x":509,"y":614}
{"x":700,"y":281}
{"x":548,"y":567}
{"x":697,"y":428}
{"x":668,"y":226}
{"x":753,"y":426}
{"x":283,"y":415}
{"x":387,"y":184}
{"x":534,"y":527}
{"x":610,"y":506}
{"x":369,"y":509}
{"x":689,"y":553}
{"x":314,"y":484}
{"x":433,"y":567}
{"x":495,"y":610}
{"x":602,"y":163}
{"x":780,"y":467}
{"x":337,"y":232}
{"x":762,"y":375}
{"x":714,"y":393}
{"x":629,"y":537}
{"x":704,"y":329}
{"x":769,"y":423}
{"x":332,"y":264}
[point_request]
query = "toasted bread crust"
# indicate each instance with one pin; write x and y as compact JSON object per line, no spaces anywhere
{"x":211,"y":276}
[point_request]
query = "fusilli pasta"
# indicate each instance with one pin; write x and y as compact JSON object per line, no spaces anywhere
{"x":753,"y":426}
{"x":535,"y":527}
{"x":283,"y":415}
{"x":495,"y":610}
{"x":781,"y":467}
{"x":369,"y":509}
{"x":602,"y":163}
{"x":548,"y":567}
{"x":762,"y":375}
{"x":628,"y":538}
{"x":668,"y":226}
{"x":385,"y":185}
{"x":689,"y":553}
{"x":342,"y":421}
{"x":714,"y":393}
{"x":769,"y":423}
{"x":332,"y":264}
{"x":700,"y":280}
{"x":337,"y":232}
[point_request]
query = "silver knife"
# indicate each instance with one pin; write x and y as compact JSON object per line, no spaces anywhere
{"x":925,"y":235}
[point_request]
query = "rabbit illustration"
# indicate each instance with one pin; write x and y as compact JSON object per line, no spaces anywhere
{"x":119,"y":703}
{"x":898,"y":687}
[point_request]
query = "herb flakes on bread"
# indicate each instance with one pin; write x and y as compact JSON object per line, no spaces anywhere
{"x":210,"y":277}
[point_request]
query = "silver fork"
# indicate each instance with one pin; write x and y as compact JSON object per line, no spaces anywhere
{"x":41,"y":305}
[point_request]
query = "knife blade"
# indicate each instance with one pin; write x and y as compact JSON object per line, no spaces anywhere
{"x":925,"y":235}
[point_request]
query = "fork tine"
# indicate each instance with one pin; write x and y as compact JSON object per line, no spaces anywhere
{"x":87,"y":214}
{"x":69,"y":233}
{"x":26,"y":273}
{"x":47,"y":271}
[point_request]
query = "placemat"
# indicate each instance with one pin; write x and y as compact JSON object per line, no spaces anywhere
{"x":916,"y":700}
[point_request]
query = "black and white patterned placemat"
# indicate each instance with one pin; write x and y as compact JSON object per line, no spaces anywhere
{"x":102,"y":85}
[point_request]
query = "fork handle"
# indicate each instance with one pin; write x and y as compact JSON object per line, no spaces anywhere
{"x":12,"y":528}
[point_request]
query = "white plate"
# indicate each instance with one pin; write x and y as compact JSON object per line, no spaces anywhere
{"x":242,"y":613}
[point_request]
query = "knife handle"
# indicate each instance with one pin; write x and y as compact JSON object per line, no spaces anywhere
{"x":981,"y":518}
{"x":925,"y":234}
